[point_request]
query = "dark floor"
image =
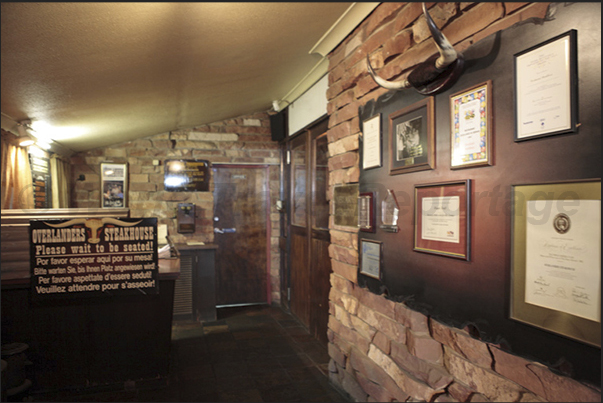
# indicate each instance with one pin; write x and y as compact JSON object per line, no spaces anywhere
{"x":250,"y":354}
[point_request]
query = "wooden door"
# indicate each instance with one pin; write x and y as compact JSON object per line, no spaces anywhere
{"x":241,"y":200}
{"x":309,"y":261}
{"x":298,"y":232}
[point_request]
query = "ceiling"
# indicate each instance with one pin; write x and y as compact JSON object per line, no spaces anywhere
{"x":106,"y":73}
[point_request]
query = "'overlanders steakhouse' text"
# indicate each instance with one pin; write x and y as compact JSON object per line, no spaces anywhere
{"x":62,"y":235}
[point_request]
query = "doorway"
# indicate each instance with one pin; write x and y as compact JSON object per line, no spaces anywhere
{"x":241,"y":230}
{"x":308,"y":261}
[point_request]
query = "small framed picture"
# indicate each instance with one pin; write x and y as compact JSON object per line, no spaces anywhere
{"x":370,"y":258}
{"x":546,"y":88}
{"x":114,"y":185}
{"x":412,"y":138}
{"x":471,"y":126}
{"x":371,"y":142}
{"x":442,"y":214}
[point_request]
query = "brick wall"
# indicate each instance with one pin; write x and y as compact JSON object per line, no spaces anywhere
{"x":381,"y":350}
{"x":242,"y":140}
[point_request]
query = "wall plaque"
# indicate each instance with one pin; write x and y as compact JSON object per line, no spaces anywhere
{"x":346,"y":205}
{"x":187,"y":175}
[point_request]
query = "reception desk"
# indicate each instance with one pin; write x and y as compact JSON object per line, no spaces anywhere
{"x":195,"y":294}
{"x":114,"y":342}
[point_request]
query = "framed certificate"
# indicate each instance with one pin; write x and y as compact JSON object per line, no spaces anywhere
{"x":114,"y":185}
{"x":370,"y":258}
{"x":371,"y":142}
{"x":471,"y":126}
{"x":546,"y":88}
{"x":556,"y":258}
{"x":412,"y":138}
{"x":442,"y":214}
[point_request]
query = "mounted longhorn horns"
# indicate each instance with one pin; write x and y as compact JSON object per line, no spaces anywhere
{"x":436,"y":74}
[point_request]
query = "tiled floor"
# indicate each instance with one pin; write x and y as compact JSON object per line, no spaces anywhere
{"x":250,"y":354}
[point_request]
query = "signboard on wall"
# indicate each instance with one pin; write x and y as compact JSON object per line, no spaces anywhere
{"x":85,"y":257}
{"x":187,"y":175}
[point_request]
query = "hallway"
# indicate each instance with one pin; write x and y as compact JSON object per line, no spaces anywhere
{"x":250,"y":354}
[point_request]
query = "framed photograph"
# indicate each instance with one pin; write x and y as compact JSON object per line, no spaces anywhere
{"x":442,"y":215}
{"x":370,"y":258}
{"x":471,"y":127}
{"x":366,"y":212}
{"x":546,"y":88}
{"x":371,"y":142}
{"x":412,"y":138}
{"x":114,"y":185}
{"x":556,"y":258}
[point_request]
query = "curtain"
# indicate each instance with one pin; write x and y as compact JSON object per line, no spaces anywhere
{"x":17,"y":183}
{"x":60,"y":172}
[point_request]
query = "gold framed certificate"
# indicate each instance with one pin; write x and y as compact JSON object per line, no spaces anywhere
{"x":556,"y":262}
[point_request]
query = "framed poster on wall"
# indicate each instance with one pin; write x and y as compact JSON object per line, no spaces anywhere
{"x":556,"y":258}
{"x":412,"y":138}
{"x":114,"y":185}
{"x":471,"y":126}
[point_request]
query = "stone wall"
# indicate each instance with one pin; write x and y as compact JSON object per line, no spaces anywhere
{"x":381,"y":350}
{"x":242,"y":140}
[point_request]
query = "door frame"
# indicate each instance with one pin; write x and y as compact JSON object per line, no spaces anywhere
{"x":313,"y":131}
{"x":268,"y":223}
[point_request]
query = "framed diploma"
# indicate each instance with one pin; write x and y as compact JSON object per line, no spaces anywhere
{"x":366,"y":212}
{"x":471,"y":126}
{"x":546,"y":88}
{"x":412,"y":138}
{"x":370,"y":258}
{"x":114,"y":185}
{"x":371,"y":142}
{"x":442,"y":214}
{"x":556,"y":258}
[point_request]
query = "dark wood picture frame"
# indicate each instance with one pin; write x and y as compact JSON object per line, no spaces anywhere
{"x":412,"y":138}
{"x":442,"y":219}
{"x":471,"y":127}
{"x":547,"y":96}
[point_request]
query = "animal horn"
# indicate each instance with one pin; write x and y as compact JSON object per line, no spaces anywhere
{"x":390,"y":85}
{"x":436,"y":74}
{"x":73,"y":221}
{"x":447,"y":52}
{"x":109,"y":220}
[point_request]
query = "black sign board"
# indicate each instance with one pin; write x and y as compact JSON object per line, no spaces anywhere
{"x":187,"y":175}
{"x":85,"y":257}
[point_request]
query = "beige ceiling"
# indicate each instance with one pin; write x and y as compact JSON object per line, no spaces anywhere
{"x":105,"y":73}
